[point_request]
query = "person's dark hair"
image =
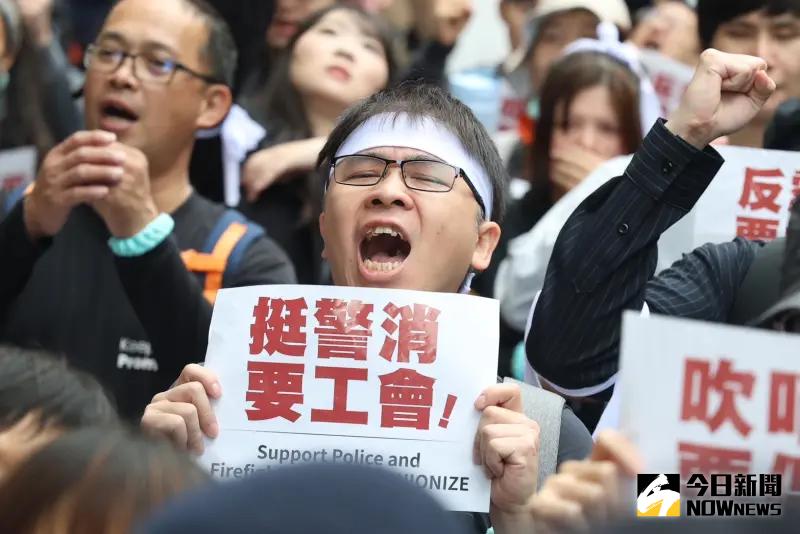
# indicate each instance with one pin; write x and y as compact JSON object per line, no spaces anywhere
{"x":36,"y":382}
{"x":248,"y":21}
{"x":711,"y":14}
{"x":220,"y":50}
{"x":95,"y":480}
{"x":420,"y":101}
{"x":569,"y":76}
{"x":336,"y":499}
{"x":279,"y":105}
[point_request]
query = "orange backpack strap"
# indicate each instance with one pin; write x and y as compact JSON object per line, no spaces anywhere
{"x":222,"y":252}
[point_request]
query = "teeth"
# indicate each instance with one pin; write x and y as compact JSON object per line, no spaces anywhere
{"x":382,"y":266}
{"x":383,"y":230}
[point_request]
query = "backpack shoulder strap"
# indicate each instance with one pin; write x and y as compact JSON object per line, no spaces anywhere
{"x":236,"y":258}
{"x":546,"y":409}
{"x":223,"y":245}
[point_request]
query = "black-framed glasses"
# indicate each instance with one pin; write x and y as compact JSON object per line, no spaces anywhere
{"x":418,"y":174}
{"x":147,"y":66}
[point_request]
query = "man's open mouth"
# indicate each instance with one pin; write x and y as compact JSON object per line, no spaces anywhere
{"x":384,"y":249}
{"x":116,"y":111}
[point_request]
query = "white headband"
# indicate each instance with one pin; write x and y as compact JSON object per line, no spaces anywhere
{"x":608,"y":43}
{"x":426,"y":134}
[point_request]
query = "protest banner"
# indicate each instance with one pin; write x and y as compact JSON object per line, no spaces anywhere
{"x":17,"y":167}
{"x":669,"y":78}
{"x":353,"y":376}
{"x":750,"y":197}
{"x":708,"y":398}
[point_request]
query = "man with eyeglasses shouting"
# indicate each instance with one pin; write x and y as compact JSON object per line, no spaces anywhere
{"x":414,"y":191}
{"x":97,"y":257}
{"x":414,"y":188}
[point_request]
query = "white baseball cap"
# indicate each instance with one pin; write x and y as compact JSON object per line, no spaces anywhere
{"x":609,"y":11}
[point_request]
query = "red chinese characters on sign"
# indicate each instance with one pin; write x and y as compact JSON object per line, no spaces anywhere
{"x":278,"y":327}
{"x":754,"y":228}
{"x":700,"y":382}
{"x":406,"y":399}
{"x":664,"y":85}
{"x":762,"y":188}
{"x":344,"y":328}
{"x":341,"y":377}
{"x":12,"y":182}
{"x":706,"y":459}
{"x":417,"y":331}
{"x":789,"y":467}
{"x":274,"y":388}
{"x":783,"y":402}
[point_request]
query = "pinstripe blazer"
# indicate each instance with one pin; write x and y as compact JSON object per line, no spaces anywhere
{"x":604,"y":261}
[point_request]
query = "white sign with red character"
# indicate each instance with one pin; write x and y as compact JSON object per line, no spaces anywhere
{"x":750,"y":197}
{"x":17,"y":168}
{"x":670,"y":78}
{"x":353,"y":376}
{"x":708,"y":398}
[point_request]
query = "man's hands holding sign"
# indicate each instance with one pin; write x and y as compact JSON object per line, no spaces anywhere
{"x":506,"y":442}
{"x":725,"y":94}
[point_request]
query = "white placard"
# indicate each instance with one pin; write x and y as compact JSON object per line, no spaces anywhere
{"x":701,"y":397}
{"x":750,"y":197}
{"x":17,"y":168}
{"x":308,"y":377}
{"x":670,"y":78}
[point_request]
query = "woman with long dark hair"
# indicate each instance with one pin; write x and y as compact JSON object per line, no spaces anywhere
{"x":338,"y":57}
{"x":589,"y":113}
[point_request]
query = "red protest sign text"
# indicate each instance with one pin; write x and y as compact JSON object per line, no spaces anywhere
{"x":279,"y":327}
{"x":783,"y":402}
{"x":762,"y":187}
{"x":406,"y":399}
{"x":757,"y":229}
{"x":274,"y":388}
{"x":418,"y":332}
{"x":699,"y":383}
{"x":789,"y":467}
{"x":344,"y":328}
{"x":341,"y":377}
{"x":706,"y":459}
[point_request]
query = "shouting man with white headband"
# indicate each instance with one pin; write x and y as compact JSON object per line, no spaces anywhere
{"x":413,"y":194}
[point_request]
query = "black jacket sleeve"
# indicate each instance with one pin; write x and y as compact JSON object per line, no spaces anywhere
{"x":18,"y":256}
{"x":169,"y":303}
{"x":606,"y":254}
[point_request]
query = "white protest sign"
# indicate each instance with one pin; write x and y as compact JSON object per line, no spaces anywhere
{"x":703,"y":398}
{"x":750,"y":197}
{"x":17,"y":167}
{"x":353,"y":375}
{"x":669,"y":78}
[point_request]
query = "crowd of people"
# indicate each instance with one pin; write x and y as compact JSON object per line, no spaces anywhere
{"x":189,"y":146}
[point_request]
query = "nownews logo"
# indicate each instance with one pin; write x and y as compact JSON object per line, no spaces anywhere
{"x":719,"y":495}
{"x":659,"y":495}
